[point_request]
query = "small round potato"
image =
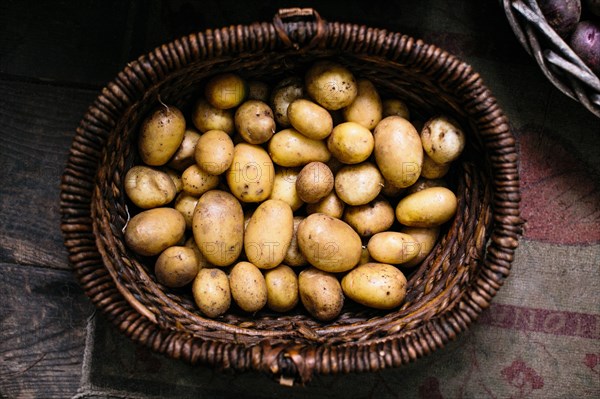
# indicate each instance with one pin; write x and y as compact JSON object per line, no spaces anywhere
{"x":284,"y":187}
{"x":184,"y":157}
{"x":202,"y":261}
{"x":350,"y":143}
{"x":284,"y":93}
{"x":225,"y":91}
{"x":330,"y":205}
{"x":248,"y":287}
{"x":372,"y":218}
{"x":366,"y":109}
{"x":206,"y":117}
{"x":358,"y":184}
{"x":258,"y":90}
{"x":395,"y":107}
{"x":293,"y":256}
{"x":150,"y":232}
{"x":423,"y":183}
{"x":376,"y":285}
{"x":426,"y":238}
{"x":310,"y":119}
{"x":186,"y":204}
{"x":149,"y":188}
{"x":161,"y":135}
{"x":254,"y":122}
{"x":290,"y":149}
{"x":214,"y":152}
{"x":427,"y":208}
{"x":196,"y":181}
{"x":315,"y":181}
{"x":433,"y":170}
{"x":331,"y":85}
{"x":251,"y":175}
{"x":393,"y":247}
{"x":176,"y":266}
{"x":443,"y":140}
{"x":320,"y":293}
{"x":282,"y":288}
{"x":211,"y":292}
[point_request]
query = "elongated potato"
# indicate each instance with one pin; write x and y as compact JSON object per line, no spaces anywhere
{"x":393,"y":247}
{"x":206,"y":117}
{"x":211,"y":292}
{"x":376,"y":285}
{"x":251,"y":175}
{"x":310,"y":119}
{"x":214,"y":152}
{"x":330,"y":205}
{"x":366,"y":109}
{"x":269,"y":234}
{"x":320,"y":293}
{"x":284,"y":187}
{"x":289,"y":148}
{"x":358,"y":184}
{"x":225,"y":91}
{"x":149,"y":188}
{"x":282,"y":288}
{"x":218,"y":227}
{"x":426,"y":238}
{"x":254,"y":121}
{"x":428,"y":208}
{"x":371,"y":218}
{"x":184,"y":156}
{"x":284,"y":93}
{"x":150,"y":232}
{"x":176,"y":266}
{"x":196,"y":181}
{"x":350,"y":143}
{"x":331,"y":85}
{"x":328,"y":243}
{"x":161,"y":135}
{"x":293,"y":256}
{"x":248,"y":287}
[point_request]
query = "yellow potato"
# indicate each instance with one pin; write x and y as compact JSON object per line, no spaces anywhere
{"x":202,"y":262}
{"x":330,"y":205}
{"x":218,"y":227}
{"x":331,"y":85}
{"x":225,"y":91}
{"x":211,"y":292}
{"x":258,"y":90}
{"x":314,"y":182}
{"x":248,"y":287}
{"x":150,"y":232}
{"x":443,"y":140}
{"x":149,"y":188}
{"x":395,"y":107}
{"x":176,"y":266}
{"x":214,"y":152}
{"x":160,"y":135}
{"x":310,"y":119}
{"x":254,"y":122}
{"x":196,"y":181}
{"x":350,"y":143}
{"x":428,"y":208}
{"x":284,"y":187}
{"x":184,"y":156}
{"x":398,"y":151}
{"x":289,"y":148}
{"x":423,"y":183}
{"x":393,"y":247}
{"x":390,"y":190}
{"x":320,"y":293}
{"x":376,"y":285}
{"x":285,"y":93}
{"x":433,"y":170}
{"x":293,"y":256}
{"x":358,"y":184}
{"x":371,"y":218}
{"x":328,"y":243}
{"x":366,"y":109}
{"x":426,"y":238}
{"x":206,"y":117}
{"x":269,"y":234}
{"x":252,"y":173}
{"x":186,"y":204}
{"x":365,"y":256}
{"x":175,"y":177}
{"x":282,"y":288}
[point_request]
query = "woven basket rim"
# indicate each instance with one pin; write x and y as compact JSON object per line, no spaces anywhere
{"x":299,"y":361}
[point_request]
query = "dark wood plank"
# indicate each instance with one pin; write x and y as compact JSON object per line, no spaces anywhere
{"x":37,"y":124}
{"x":42,"y":332}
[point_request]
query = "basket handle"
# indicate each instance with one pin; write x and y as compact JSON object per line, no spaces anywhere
{"x":287,"y":13}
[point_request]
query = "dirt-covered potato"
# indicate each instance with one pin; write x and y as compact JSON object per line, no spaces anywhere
{"x":196,"y":181}
{"x":161,"y":135}
{"x":433,"y":170}
{"x":248,"y":287}
{"x":320,"y":293}
{"x":427,"y":208}
{"x":393,"y":247}
{"x":211,"y":292}
{"x":376,"y":285}
{"x":225,"y":91}
{"x":282,"y":288}
{"x":310,"y":119}
{"x":186,"y":204}
{"x":331,"y":85}
{"x":314,"y":182}
{"x":443,"y":139}
{"x":398,"y":151}
{"x":150,"y":232}
{"x":366,"y":109}
{"x":329,"y":244}
{"x":350,"y":143}
{"x":374,"y":217}
{"x":293,"y":256}
{"x":284,"y":187}
{"x":426,"y":238}
{"x":330,"y":205}
{"x":218,"y":227}
{"x":149,"y":188}
{"x":205,"y":117}
{"x":214,"y":152}
{"x":251,"y":175}
{"x":290,"y":149}
{"x":258,"y":90}
{"x":184,"y":156}
{"x":395,"y":107}
{"x":254,"y":122}
{"x":284,"y":93}
{"x":358,"y":184}
{"x":176,"y":266}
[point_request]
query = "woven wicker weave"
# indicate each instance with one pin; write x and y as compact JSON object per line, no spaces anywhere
{"x":447,"y":292}
{"x":555,"y":58}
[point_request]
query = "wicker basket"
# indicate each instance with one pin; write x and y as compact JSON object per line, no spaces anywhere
{"x":555,"y":58}
{"x":446,"y":293}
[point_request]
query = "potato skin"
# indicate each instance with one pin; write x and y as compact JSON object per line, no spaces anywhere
{"x":395,"y":107}
{"x":285,"y":92}
{"x":366,"y":109}
{"x":393,"y":247}
{"x":314,"y":182}
{"x":184,"y":156}
{"x":254,"y":121}
{"x":214,"y":152}
{"x":433,"y":170}
{"x":186,"y":205}
{"x":149,"y":188}
{"x":211,"y":292}
{"x":218,"y":227}
{"x":258,"y":90}
{"x":293,"y":256}
{"x":205,"y":117}
{"x":248,"y":287}
{"x":376,"y":285}
{"x":328,"y":244}
{"x":202,"y":262}
{"x":160,"y":135}
{"x":427,"y":208}
{"x":426,"y":238}
{"x":290,"y":148}
{"x":176,"y":266}
{"x":372,"y":218}
{"x":443,"y":140}
{"x":225,"y":91}
{"x":284,"y":187}
{"x":251,"y":175}
{"x":330,"y":205}
{"x":331,"y":85}
{"x":350,"y":143}
{"x":310,"y":119}
{"x":150,"y":232}
{"x":282,"y":288}
{"x":320,"y":293}
{"x":398,"y":151}
{"x":196,"y":181}
{"x":358,"y":184}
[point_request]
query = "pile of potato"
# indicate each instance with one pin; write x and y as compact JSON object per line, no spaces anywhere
{"x":313,"y":191}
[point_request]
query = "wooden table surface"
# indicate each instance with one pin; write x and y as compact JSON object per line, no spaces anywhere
{"x":55,"y":56}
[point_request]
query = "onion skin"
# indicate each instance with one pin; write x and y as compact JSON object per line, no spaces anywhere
{"x":585,"y":42}
{"x":561,"y":15}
